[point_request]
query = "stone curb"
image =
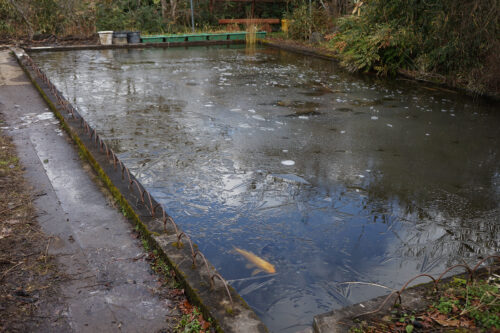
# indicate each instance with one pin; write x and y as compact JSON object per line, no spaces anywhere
{"x":341,"y":320}
{"x":130,"y":46}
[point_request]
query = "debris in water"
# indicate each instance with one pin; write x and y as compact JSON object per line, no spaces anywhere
{"x":389,"y":125}
{"x":291,"y":178}
{"x":288,"y":162}
{"x":259,"y":118}
{"x":342,"y":132}
{"x":374,"y":118}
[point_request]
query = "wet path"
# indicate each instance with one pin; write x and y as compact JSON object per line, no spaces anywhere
{"x":109,"y":286}
{"x":329,"y":177}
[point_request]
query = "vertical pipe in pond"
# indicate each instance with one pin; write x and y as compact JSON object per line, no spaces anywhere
{"x":192,"y":15}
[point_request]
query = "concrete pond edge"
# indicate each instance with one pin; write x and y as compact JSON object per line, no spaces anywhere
{"x":203,"y":285}
{"x":413,"y":298}
{"x":131,"y":46}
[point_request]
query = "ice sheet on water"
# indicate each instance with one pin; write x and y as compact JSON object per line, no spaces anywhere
{"x":288,"y":162}
{"x":260,"y":118}
{"x":374,"y":118}
{"x":291,"y":178}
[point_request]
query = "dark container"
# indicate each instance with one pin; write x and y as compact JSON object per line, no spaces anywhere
{"x":120,"y":34}
{"x":120,"y":37}
{"x":133,"y":37}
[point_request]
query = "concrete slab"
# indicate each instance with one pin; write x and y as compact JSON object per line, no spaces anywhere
{"x":107,"y":289}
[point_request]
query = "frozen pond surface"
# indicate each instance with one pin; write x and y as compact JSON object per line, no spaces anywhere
{"x":329,"y":177}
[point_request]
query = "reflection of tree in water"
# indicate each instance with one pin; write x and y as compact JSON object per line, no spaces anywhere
{"x":446,"y":223}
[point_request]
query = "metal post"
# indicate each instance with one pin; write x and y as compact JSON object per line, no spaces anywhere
{"x":310,"y":19}
{"x":192,"y":15}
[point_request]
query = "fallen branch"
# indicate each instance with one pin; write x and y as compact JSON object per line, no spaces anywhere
{"x":7,"y":271}
{"x":9,"y":209}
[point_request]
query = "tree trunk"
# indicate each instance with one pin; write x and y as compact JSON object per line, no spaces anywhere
{"x":173,"y":9}
{"x":164,"y":11}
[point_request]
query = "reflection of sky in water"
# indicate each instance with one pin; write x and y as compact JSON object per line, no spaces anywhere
{"x":328,"y":176}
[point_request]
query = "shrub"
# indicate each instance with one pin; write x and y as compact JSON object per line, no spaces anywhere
{"x":380,"y":47}
{"x":305,"y":20}
{"x":446,"y":36}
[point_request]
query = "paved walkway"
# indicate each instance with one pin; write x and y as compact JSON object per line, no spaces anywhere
{"x":111,"y":287}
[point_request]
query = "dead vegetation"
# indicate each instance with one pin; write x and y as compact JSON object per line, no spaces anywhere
{"x":28,"y":275}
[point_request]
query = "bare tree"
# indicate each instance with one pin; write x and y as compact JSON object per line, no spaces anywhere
{"x":173,"y":9}
{"x":164,"y":9}
{"x":23,"y":16}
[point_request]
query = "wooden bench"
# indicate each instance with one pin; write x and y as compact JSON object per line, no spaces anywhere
{"x":250,"y":21}
{"x":263,"y":24}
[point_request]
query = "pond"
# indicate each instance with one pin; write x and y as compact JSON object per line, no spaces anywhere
{"x":327,"y":176}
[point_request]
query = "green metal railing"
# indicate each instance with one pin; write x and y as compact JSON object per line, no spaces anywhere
{"x":199,"y":37}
